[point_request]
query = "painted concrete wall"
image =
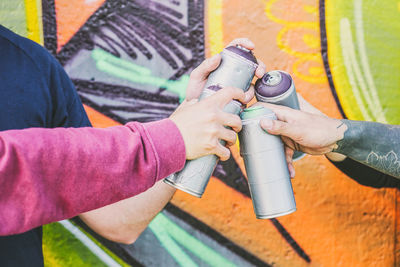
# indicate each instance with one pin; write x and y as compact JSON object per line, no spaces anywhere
{"x":129,"y":61}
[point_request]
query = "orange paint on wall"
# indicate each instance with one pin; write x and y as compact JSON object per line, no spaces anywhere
{"x":99,"y":120}
{"x":71,"y":15}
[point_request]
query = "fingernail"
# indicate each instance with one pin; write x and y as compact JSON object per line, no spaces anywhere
{"x":266,"y":124}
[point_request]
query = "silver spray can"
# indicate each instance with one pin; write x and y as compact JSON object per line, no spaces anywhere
{"x":237,"y":69}
{"x":277,"y":87}
{"x":267,"y":172}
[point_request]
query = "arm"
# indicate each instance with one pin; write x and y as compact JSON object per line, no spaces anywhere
{"x":52,"y":174}
{"x":124,"y":221}
{"x":373,"y":144}
{"x":366,"y":175}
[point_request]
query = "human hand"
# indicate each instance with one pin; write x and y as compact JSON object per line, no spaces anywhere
{"x":199,"y":75}
{"x":203,"y":123}
{"x":314,"y":134}
{"x":307,"y":107}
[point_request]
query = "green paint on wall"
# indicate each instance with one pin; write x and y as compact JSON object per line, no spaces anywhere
{"x":170,"y":245}
{"x":162,"y":226}
{"x":129,"y":71}
{"x":13,"y":16}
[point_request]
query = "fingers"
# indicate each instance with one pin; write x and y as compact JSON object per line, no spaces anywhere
{"x":230,"y":120}
{"x":289,"y":159}
{"x":199,"y":76}
{"x":226,"y":95}
{"x":222,"y":152}
{"x":260,"y":71}
{"x":277,"y":127}
{"x":292,"y":172}
{"x":245,"y":42}
{"x":227,"y":135}
{"x":283,"y":113}
{"x":289,"y":143}
{"x":249,"y":95}
{"x":203,"y":70}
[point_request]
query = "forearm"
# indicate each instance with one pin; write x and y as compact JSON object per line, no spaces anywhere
{"x":366,"y":175}
{"x":51,"y":174}
{"x":125,"y":220}
{"x":374,"y":144}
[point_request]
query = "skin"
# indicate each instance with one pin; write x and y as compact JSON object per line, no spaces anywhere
{"x":373,"y":144}
{"x":124,"y":221}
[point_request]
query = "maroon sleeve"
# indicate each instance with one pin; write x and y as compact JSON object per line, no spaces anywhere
{"x":48,"y":175}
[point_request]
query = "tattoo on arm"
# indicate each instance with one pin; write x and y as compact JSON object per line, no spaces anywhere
{"x":340,"y":125}
{"x":374,"y":144}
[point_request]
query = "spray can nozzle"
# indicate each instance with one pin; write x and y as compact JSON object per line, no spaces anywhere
{"x":243,"y":48}
{"x":272,"y":78}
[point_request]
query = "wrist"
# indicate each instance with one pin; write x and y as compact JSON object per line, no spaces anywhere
{"x":341,"y":128}
{"x":351,"y":135}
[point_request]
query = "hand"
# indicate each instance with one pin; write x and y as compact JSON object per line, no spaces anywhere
{"x":307,"y":107}
{"x":199,"y":75}
{"x":314,"y":134}
{"x":202,"y":124}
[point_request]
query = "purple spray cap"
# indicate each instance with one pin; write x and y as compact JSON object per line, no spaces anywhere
{"x":243,"y":52}
{"x":273,"y":83}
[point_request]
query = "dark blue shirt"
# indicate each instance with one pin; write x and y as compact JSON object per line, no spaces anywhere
{"x":35,"y":91}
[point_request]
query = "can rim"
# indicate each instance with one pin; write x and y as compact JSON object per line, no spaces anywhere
{"x":275,"y":214}
{"x":180,"y":187}
{"x":251,"y":63}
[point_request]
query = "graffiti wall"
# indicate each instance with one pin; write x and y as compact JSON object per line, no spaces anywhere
{"x":130,"y":60}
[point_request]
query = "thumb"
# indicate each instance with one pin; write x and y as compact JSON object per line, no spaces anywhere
{"x":203,"y":70}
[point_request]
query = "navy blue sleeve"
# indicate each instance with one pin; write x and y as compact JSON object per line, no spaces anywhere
{"x":68,"y":110}
{"x":35,"y":91}
{"x":365,"y":175}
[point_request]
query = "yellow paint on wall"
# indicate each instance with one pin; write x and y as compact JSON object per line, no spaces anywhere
{"x":33,"y":20}
{"x":310,"y":9}
{"x":398,"y":6}
{"x":215,"y":27}
{"x":309,"y":39}
{"x":348,"y":101}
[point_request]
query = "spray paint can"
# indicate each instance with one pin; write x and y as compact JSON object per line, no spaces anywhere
{"x":277,"y":87}
{"x":237,"y":69}
{"x":267,"y":172}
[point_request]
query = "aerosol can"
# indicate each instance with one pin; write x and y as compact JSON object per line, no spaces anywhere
{"x":237,"y":69}
{"x":267,"y":171}
{"x":277,"y":87}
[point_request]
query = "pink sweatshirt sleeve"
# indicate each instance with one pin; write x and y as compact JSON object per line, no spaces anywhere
{"x":47,"y":175}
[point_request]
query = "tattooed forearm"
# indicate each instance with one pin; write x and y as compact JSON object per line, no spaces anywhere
{"x":374,"y":144}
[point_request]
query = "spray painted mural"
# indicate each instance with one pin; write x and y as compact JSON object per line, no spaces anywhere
{"x":130,"y":60}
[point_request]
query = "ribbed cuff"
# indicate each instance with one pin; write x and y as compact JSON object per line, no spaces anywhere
{"x":168,"y":145}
